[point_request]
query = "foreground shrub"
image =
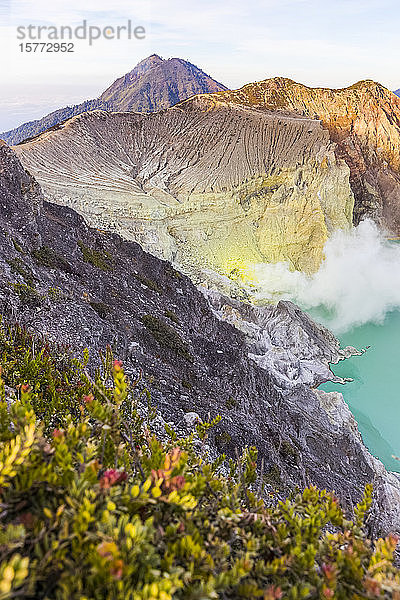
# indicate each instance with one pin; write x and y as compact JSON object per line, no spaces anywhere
{"x":99,"y":508}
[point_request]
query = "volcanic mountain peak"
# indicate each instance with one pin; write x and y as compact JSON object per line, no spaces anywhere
{"x":154,"y":84}
{"x":141,"y":68}
{"x":146,"y":64}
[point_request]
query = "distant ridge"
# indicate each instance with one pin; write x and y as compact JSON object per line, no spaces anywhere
{"x":154,"y":84}
{"x":397,"y":92}
{"x":33,"y":128}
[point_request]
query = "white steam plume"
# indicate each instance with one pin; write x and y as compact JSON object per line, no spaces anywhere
{"x":358,"y":282}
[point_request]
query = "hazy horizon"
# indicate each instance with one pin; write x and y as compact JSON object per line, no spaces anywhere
{"x":234,"y":42}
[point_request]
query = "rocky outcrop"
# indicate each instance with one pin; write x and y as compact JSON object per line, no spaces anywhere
{"x":363,"y":120}
{"x":152,"y":85}
{"x":284,"y":340}
{"x":21,"y":196}
{"x":198,"y":354}
{"x":205,"y":185}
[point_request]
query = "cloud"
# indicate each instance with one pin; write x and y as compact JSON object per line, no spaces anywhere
{"x":357,"y":283}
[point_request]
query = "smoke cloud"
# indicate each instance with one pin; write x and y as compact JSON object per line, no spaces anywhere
{"x":358,"y":281}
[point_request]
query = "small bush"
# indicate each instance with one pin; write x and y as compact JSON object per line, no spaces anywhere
{"x":288,"y":451}
{"x":231,"y":403}
{"x":101,"y":308}
{"x":18,"y":266}
{"x":171,"y":272}
{"x":28,"y":295}
{"x":273,"y":476}
{"x":47,"y":257}
{"x":99,"y":259}
{"x":223,"y":439}
{"x":17,"y":246}
{"x":149,"y":283}
{"x":171,"y":316}
{"x":166,"y":336}
{"x":55,"y":294}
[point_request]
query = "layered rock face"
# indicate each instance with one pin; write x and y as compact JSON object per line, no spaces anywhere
{"x":203,"y":353}
{"x":363,"y":120}
{"x":206,"y":184}
{"x":153,"y":84}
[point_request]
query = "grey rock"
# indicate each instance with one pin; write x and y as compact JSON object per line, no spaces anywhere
{"x":191,"y":419}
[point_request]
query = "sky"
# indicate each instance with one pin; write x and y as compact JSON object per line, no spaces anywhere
{"x":331,"y":43}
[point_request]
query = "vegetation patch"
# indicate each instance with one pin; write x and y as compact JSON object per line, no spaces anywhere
{"x":288,"y":451}
{"x":18,"y":266}
{"x":28,"y":295}
{"x":51,"y":371}
{"x":152,"y":285}
{"x":47,"y":257}
{"x":171,"y":272}
{"x":171,"y":316}
{"x":223,"y":439}
{"x":273,"y":476}
{"x":55,"y":294}
{"x":101,"y":308}
{"x":17,"y":246}
{"x":166,"y":336}
{"x":98,"y":258}
{"x":231,"y":403}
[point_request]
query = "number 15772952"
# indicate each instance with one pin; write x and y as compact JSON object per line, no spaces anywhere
{"x":40,"y":47}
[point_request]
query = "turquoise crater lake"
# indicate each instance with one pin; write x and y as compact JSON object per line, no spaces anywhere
{"x":374,"y":395}
{"x":355,"y":294}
